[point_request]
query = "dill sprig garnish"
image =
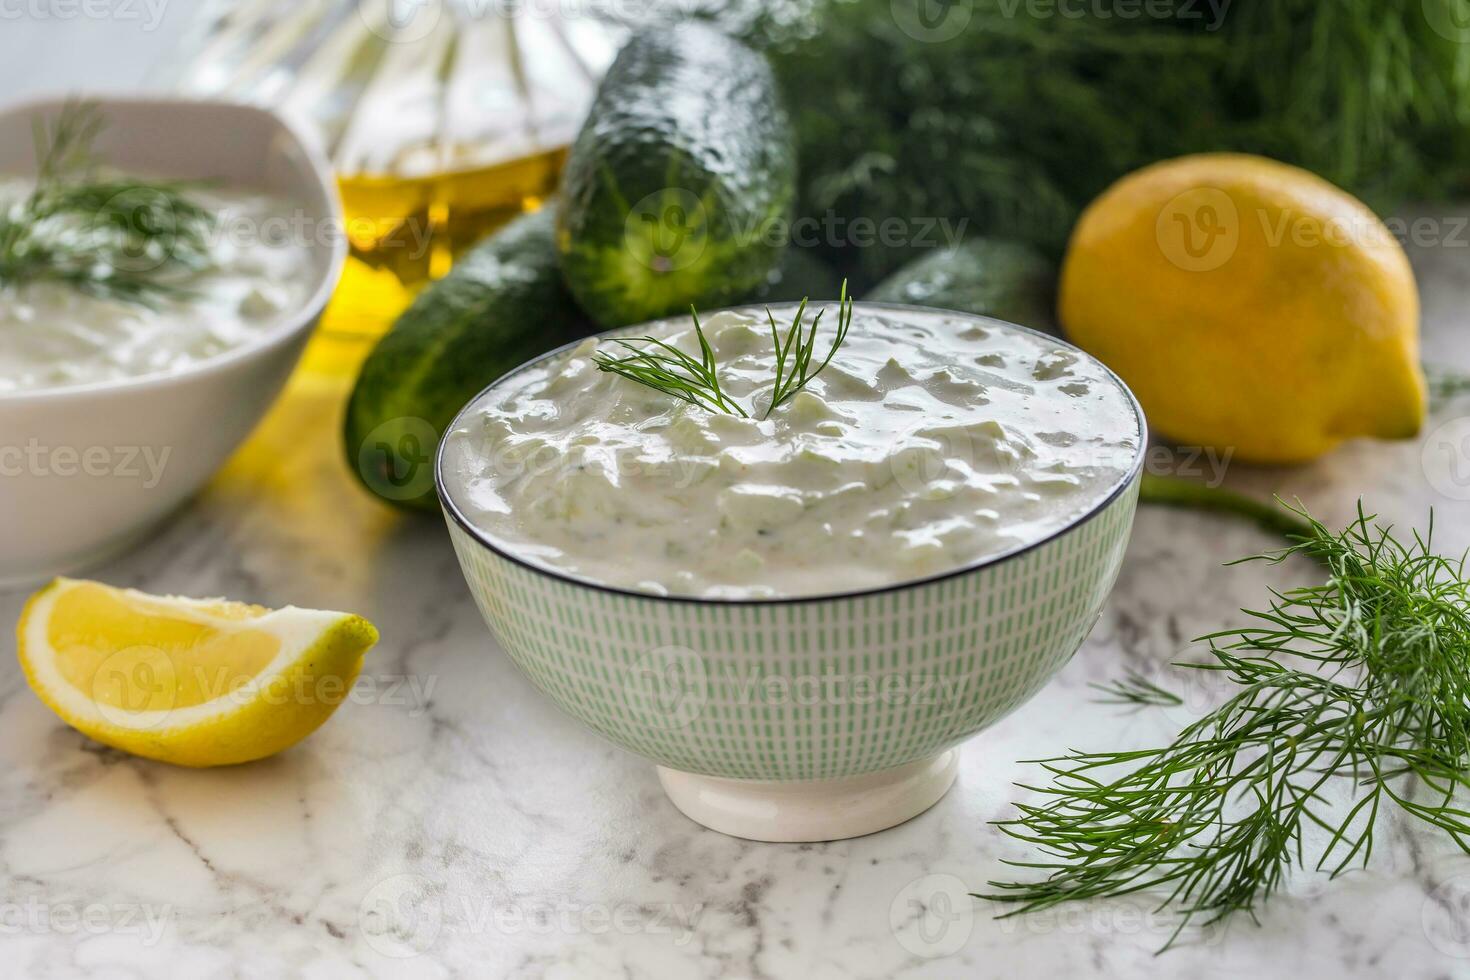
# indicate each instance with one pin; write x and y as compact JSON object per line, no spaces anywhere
{"x":655,"y":364}
{"x":1350,"y":697}
{"x":122,"y":238}
{"x":794,"y":376}
{"x":1137,"y":691}
{"x":668,"y":369}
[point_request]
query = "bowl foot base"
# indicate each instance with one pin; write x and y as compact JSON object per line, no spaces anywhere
{"x":827,"y":809}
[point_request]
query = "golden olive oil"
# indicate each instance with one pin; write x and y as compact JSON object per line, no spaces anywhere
{"x":442,"y":120}
{"x":405,"y":232}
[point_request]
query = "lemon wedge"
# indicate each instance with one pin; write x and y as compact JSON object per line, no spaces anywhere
{"x":195,"y":682}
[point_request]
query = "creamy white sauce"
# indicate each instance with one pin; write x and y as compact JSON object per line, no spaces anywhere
{"x":930,"y":442}
{"x":53,"y":336}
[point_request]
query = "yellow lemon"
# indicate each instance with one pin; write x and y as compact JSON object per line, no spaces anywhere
{"x":1251,"y":306}
{"x":196,"y":682}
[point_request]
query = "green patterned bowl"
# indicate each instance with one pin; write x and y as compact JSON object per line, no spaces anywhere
{"x":807,"y":718}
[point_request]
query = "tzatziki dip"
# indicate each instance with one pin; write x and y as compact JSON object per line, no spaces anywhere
{"x":56,"y":335}
{"x":929,"y":443}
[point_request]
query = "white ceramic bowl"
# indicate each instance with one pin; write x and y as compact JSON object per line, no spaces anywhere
{"x":809,"y":718}
{"x":86,"y":470}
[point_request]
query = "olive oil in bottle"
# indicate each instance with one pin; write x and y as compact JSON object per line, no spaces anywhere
{"x":443,"y":121}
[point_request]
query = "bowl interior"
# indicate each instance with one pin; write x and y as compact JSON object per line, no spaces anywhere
{"x":230,"y":145}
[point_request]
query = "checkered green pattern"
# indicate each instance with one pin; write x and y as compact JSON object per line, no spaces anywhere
{"x":804,"y":690}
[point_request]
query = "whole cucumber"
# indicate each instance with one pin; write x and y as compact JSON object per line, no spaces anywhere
{"x":502,"y":304}
{"x":1008,"y":280}
{"x":679,"y":188}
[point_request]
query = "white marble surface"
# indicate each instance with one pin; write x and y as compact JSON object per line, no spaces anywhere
{"x":450,"y":822}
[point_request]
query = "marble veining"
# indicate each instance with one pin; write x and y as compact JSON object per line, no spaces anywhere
{"x":449,"y":822}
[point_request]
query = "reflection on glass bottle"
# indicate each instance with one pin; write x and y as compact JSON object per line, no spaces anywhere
{"x":443,"y":119}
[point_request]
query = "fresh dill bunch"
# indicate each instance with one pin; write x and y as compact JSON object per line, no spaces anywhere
{"x":1350,"y":697}
{"x":663,"y":367}
{"x":120,"y":238}
{"x":1137,"y":691}
{"x":1015,"y":117}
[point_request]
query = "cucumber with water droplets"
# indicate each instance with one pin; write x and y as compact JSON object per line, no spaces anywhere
{"x":679,"y":188}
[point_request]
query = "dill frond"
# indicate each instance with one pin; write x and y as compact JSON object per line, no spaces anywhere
{"x":1350,"y":697}
{"x":120,"y":238}
{"x":1137,"y":691}
{"x":655,"y":364}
